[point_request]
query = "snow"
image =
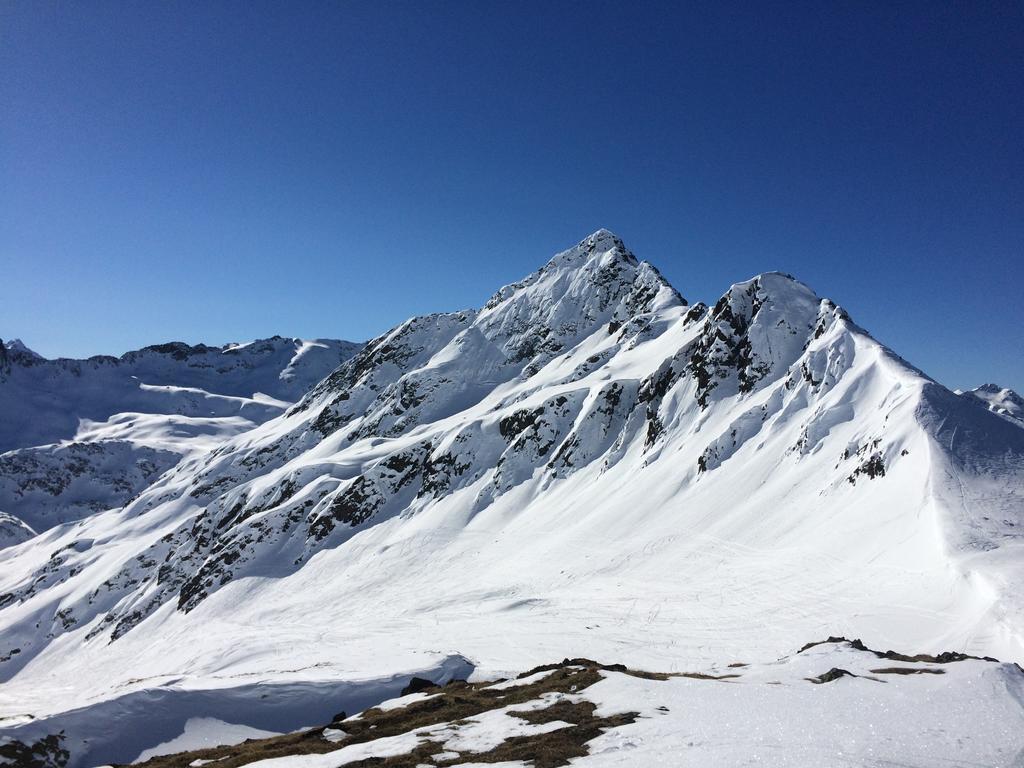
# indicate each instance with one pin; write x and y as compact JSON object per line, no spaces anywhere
{"x":475,"y":734}
{"x":389,"y":746}
{"x":404,"y":701}
{"x":518,"y":681}
{"x":202,"y":732}
{"x":88,"y":435}
{"x":155,"y":713}
{"x":586,"y":466}
{"x":486,"y":731}
{"x":970,"y":714}
{"x":1000,"y":400}
{"x":13,"y":530}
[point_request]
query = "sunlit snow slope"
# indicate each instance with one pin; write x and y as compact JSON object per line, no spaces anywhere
{"x":588,"y":466}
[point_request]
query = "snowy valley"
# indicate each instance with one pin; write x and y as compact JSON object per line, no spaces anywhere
{"x":213,"y":544}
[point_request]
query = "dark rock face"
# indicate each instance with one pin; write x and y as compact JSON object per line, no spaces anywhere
{"x":417,"y":685}
{"x":179,"y":350}
{"x":444,"y":470}
{"x":358,"y":384}
{"x":946,"y":657}
{"x":833,"y":674}
{"x":512,"y":426}
{"x":48,"y":752}
{"x":724,"y":349}
{"x":871,"y":468}
{"x":368,"y":493}
{"x":53,"y":484}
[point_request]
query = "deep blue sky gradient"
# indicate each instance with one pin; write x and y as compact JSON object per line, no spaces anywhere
{"x":221,"y":171}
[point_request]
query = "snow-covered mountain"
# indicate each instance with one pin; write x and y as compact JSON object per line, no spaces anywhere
{"x":999,"y":400}
{"x":80,"y":436}
{"x":13,"y":530}
{"x":586,"y":466}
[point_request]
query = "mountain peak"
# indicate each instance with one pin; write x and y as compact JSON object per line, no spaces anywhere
{"x":599,"y":264}
{"x":1000,"y":400}
{"x":18,"y":348}
{"x":989,"y":388}
{"x":779,"y":283}
{"x":602,"y":237}
{"x":775,"y":288}
{"x":599,"y":248}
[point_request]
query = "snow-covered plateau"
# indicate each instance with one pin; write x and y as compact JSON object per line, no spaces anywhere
{"x":586,"y":467}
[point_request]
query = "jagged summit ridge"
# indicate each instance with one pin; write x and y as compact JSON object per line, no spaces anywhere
{"x":17,"y":349}
{"x":388,"y":387}
{"x":596,"y":259}
{"x":598,"y":245}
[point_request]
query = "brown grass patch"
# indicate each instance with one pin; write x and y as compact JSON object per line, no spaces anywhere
{"x":703,"y":676}
{"x":454,"y":703}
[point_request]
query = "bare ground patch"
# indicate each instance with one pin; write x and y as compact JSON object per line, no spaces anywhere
{"x":453,"y":703}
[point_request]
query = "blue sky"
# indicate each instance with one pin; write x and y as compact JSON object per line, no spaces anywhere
{"x":223,"y":171}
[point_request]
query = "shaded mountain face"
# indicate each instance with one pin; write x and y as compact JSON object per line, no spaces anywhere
{"x":13,"y":530}
{"x":587,"y":465}
{"x":82,"y":436}
{"x":999,"y":400}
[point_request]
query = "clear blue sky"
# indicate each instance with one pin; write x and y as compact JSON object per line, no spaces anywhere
{"x":215,"y":171}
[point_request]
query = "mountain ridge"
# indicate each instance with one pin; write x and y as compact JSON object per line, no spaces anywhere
{"x":587,"y":465}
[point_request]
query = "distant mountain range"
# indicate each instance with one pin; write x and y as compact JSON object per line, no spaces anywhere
{"x":82,"y":436}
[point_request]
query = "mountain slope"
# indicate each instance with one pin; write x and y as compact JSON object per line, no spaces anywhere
{"x":588,"y":466}
{"x":82,"y":436}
